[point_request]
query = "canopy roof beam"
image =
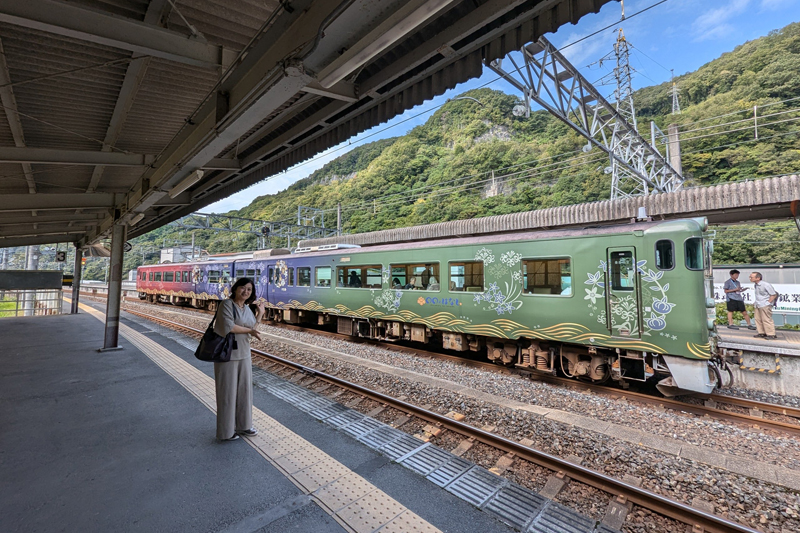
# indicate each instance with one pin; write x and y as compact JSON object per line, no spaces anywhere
{"x":50,"y":156}
{"x":9,"y":102}
{"x":130,"y":86}
{"x":96,"y":27}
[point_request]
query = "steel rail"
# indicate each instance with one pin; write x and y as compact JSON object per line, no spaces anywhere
{"x":645,"y":498}
{"x":761,"y":406}
{"x":644,"y":398}
{"x":648,"y":399}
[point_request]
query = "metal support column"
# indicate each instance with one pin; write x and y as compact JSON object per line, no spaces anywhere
{"x":29,"y":296}
{"x":76,"y":281}
{"x":118,"y":238}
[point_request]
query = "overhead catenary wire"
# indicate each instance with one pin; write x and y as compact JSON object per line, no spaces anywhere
{"x":748,"y":109}
{"x":438,"y":186}
{"x":436,"y":107}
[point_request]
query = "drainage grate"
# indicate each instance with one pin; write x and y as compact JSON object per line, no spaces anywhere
{"x":381,"y":437}
{"x":516,"y":505}
{"x":401,"y":447}
{"x":344,"y":418}
{"x":449,"y":471}
{"x":426,"y":460}
{"x":558,"y":519}
{"x":313,"y":404}
{"x":264,"y":378}
{"x":476,"y":486}
{"x":327,"y":412}
{"x":362,"y":427}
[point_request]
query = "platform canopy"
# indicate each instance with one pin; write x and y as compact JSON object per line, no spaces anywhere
{"x":137,"y":112}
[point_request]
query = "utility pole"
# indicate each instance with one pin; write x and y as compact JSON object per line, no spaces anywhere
{"x":676,"y":106}
{"x":620,"y":182}
{"x":339,"y":218}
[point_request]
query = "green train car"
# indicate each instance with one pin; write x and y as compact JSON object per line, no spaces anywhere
{"x":624,"y":303}
{"x":628,"y":303}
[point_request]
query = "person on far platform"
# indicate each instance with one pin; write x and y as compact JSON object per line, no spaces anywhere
{"x":765,"y":297}
{"x":734,"y":300}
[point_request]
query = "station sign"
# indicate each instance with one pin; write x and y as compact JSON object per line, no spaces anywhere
{"x":61,"y":256}
{"x":788,"y":301}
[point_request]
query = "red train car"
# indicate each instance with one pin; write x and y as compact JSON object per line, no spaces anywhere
{"x":170,"y":282}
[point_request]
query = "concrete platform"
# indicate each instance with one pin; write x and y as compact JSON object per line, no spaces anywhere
{"x":120,"y":441}
{"x":787,"y":343}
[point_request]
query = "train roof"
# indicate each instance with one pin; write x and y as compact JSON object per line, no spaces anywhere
{"x":189,"y":264}
{"x":669,"y":226}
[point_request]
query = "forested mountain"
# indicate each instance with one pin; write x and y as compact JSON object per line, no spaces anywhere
{"x":442,"y":170}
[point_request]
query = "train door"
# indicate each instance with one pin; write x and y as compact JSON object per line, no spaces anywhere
{"x":269,"y":273}
{"x":622,"y":293}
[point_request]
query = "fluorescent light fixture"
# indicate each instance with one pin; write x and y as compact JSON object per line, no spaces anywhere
{"x":138,"y":218}
{"x":190,"y":180}
{"x":408,"y":18}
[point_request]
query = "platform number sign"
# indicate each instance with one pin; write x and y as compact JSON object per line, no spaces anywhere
{"x":61,"y":256}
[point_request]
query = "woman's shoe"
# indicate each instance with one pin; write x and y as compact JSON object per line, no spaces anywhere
{"x":252,"y":432}
{"x":235,"y":437}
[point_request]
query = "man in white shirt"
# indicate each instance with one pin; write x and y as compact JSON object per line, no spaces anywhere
{"x":765,"y":296}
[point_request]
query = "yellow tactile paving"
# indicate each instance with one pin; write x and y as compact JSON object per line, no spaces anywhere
{"x":408,"y":522}
{"x":354,"y":502}
{"x":344,"y":491}
{"x":370,"y":512}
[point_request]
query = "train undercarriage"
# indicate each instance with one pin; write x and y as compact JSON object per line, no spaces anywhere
{"x":672,"y":375}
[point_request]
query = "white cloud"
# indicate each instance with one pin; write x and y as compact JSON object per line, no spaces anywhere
{"x":714,"y":23}
{"x":775,"y":5}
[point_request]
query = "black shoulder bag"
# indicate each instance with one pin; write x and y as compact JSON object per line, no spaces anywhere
{"x":216,"y":348}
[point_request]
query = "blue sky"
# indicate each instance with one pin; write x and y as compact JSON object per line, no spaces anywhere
{"x":677,"y":34}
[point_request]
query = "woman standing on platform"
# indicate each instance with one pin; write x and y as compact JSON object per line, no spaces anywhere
{"x":234,"y":379}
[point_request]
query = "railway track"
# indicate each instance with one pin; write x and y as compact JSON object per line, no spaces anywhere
{"x":790,"y":423}
{"x":619,"y":491}
{"x":707,"y":409}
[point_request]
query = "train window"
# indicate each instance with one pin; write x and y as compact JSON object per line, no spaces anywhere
{"x":250,"y":273}
{"x":185,"y":276}
{"x":359,"y":277}
{"x":466,"y":276}
{"x":547,"y":276}
{"x":158,"y":276}
{"x":213,"y":276}
{"x":623,"y":271}
{"x":271,"y":277}
{"x":323,"y":276}
{"x":226,"y":276}
{"x":290,"y":276}
{"x":694,"y":253}
{"x":239,"y":273}
{"x":304,"y":277}
{"x":169,"y":276}
{"x":665,"y":255}
{"x":151,"y":276}
{"x":425,"y":276}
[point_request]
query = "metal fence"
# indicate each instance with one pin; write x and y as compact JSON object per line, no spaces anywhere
{"x":31,"y":303}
